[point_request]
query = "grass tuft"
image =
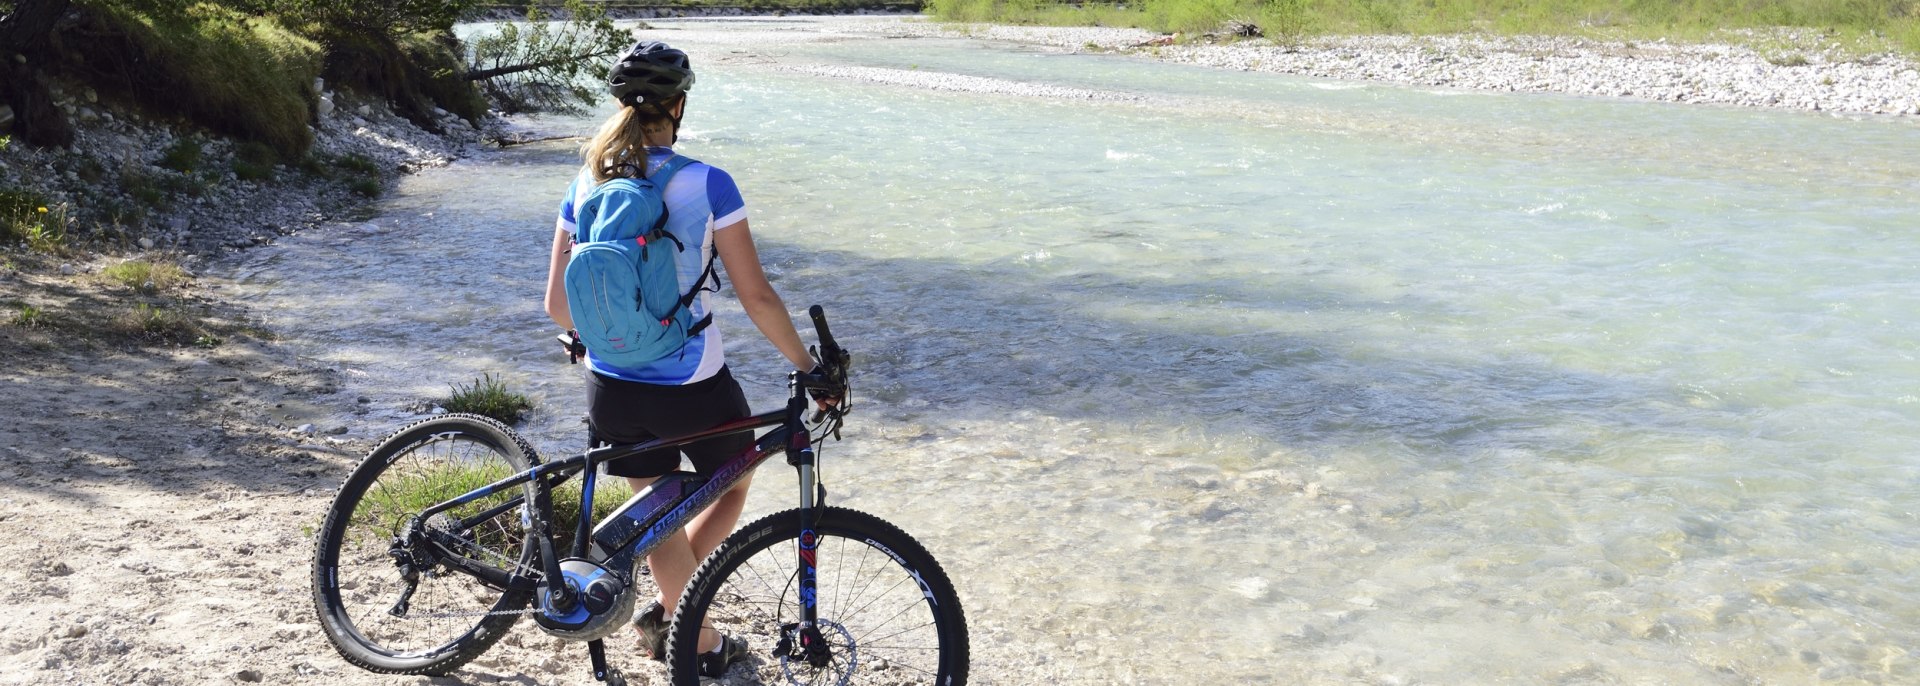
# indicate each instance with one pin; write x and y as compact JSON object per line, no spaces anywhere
{"x":29,"y":317}
{"x":182,"y":156}
{"x":488,"y":396}
{"x":157,"y":322}
{"x":254,"y":161}
{"x":406,"y":494}
{"x":27,"y":217}
{"x":145,"y":276}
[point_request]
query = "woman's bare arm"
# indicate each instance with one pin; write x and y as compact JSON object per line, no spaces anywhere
{"x":734,"y":243}
{"x":556,"y":272}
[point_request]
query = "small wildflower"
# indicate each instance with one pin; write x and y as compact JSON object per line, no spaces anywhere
{"x":43,"y":210}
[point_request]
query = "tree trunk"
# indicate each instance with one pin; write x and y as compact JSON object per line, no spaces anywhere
{"x":35,"y":118}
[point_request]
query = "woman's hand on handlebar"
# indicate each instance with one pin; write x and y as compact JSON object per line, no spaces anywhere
{"x":824,"y":399}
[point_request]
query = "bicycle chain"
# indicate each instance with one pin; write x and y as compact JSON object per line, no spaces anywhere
{"x":533,"y":573}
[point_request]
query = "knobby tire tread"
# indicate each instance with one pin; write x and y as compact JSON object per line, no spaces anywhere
{"x":486,"y":632}
{"x":782,"y":526}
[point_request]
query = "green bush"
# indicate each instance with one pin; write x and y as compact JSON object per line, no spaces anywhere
{"x":366,"y":188}
{"x":182,"y":156}
{"x":254,"y":162}
{"x":355,"y":162}
{"x":488,"y":397}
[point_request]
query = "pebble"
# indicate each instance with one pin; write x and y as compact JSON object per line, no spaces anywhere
{"x":146,"y":243}
{"x":247,"y":675}
{"x":1804,"y":72}
{"x":66,"y":270}
{"x":336,"y":431}
{"x":306,"y":429}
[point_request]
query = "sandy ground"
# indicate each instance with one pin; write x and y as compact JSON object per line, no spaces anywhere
{"x":157,"y":510}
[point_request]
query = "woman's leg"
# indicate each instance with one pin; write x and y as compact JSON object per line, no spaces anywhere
{"x":673,"y":562}
{"x":711,"y":527}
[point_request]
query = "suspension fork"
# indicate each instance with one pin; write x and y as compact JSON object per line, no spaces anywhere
{"x":813,"y":498}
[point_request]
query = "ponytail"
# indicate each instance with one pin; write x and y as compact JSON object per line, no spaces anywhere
{"x":619,"y":149}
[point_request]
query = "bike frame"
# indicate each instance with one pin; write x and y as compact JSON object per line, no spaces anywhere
{"x":789,"y":435}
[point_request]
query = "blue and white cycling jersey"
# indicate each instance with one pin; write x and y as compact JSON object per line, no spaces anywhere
{"x":699,"y":199}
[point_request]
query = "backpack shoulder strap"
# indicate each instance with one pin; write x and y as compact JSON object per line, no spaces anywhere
{"x":665,"y":173}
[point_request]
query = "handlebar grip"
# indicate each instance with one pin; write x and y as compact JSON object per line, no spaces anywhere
{"x":819,"y":316}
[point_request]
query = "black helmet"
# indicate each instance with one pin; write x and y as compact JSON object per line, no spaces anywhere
{"x":650,"y":72}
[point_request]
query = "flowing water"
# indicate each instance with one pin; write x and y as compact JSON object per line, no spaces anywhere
{"x":1194,"y":376}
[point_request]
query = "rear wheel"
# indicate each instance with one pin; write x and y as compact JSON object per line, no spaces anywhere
{"x":887,"y":613}
{"x":365,"y":552}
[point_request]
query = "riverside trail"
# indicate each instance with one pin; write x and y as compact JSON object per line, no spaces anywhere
{"x":1337,"y":380}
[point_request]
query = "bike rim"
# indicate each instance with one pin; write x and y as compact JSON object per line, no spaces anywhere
{"x":446,"y":605}
{"x":876,"y":616}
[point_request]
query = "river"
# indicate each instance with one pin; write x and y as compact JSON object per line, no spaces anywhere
{"x":1198,"y":376}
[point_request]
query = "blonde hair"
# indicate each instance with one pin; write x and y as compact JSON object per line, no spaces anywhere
{"x":619,"y":149}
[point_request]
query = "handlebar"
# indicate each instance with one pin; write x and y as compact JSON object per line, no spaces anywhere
{"x":832,"y":356}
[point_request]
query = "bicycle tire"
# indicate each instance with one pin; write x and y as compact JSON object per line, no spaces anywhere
{"x":427,"y":462}
{"x":878,"y":590}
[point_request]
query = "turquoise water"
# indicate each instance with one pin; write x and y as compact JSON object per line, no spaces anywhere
{"x":1237,"y":377}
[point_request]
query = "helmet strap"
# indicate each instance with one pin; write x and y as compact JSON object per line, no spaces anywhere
{"x":670,"y":116}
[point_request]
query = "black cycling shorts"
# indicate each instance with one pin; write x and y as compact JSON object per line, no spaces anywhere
{"x":620,"y":411}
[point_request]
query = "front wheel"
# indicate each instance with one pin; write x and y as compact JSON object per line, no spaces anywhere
{"x":886,"y":612}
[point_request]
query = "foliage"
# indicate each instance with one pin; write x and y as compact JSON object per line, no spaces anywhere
{"x":254,"y":162}
{"x":182,"y":156}
{"x":157,"y":322}
{"x":489,"y":397}
{"x":1885,"y":23}
{"x":245,"y":76}
{"x":356,"y":162}
{"x":389,"y":18}
{"x":404,"y":494}
{"x":27,"y":217}
{"x":145,"y":276}
{"x":29,"y":317}
{"x":544,"y":66}
{"x":416,"y":72}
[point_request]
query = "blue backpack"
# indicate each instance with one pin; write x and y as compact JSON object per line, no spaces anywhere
{"x":622,"y":285}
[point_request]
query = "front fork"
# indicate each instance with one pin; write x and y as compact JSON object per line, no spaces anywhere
{"x":812,"y":646}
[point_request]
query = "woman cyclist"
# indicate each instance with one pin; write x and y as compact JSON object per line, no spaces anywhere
{"x":691,"y":390}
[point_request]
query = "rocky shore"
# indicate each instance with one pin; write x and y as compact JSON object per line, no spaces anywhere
{"x":1803,"y":70}
{"x":120,"y":162}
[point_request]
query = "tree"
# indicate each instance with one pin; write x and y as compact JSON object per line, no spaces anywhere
{"x":24,"y":29}
{"x":541,"y":66}
{"x":384,"y":17}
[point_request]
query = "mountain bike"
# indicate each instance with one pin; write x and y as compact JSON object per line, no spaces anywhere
{"x":450,"y":531}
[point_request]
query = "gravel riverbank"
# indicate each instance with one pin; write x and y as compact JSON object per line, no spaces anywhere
{"x":1807,"y":71}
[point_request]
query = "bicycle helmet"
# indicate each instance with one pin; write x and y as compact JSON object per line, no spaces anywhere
{"x":650,"y":72}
